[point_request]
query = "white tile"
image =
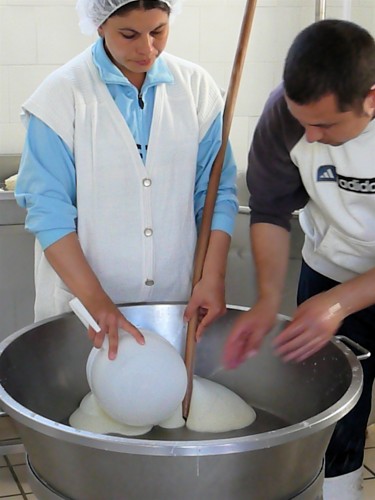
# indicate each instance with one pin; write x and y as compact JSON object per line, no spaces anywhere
{"x":217,"y":4}
{"x":17,"y":35}
{"x":4,"y":95}
{"x":333,"y":12}
{"x":21,"y":472}
{"x":277,"y":73}
{"x":17,"y":458}
{"x":267,"y":3}
{"x":253,"y":120}
{"x":256,"y":85}
{"x":292,"y":3}
{"x":370,"y":438}
{"x":7,"y":484}
{"x":12,"y":136}
{"x":24,"y":80}
{"x":58,"y":35}
{"x":263,"y":42}
{"x":288,"y":30}
{"x":220,"y":72}
{"x":37,"y":2}
{"x":337,"y":3}
{"x":239,"y":138}
{"x":307,"y":14}
{"x":7,"y":429}
{"x":343,"y":9}
{"x":368,"y":474}
{"x":184,"y":35}
{"x":369,"y":489}
{"x":369,"y":459}
{"x":219,"y":32}
{"x":365,"y":16}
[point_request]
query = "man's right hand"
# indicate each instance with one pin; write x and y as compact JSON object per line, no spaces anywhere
{"x":247,"y":334}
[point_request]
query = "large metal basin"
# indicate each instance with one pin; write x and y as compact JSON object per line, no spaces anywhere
{"x":42,"y":380}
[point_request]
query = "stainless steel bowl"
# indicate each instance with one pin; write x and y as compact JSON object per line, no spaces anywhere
{"x":42,"y":381}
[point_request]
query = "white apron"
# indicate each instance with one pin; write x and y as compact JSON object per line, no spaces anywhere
{"x":136,"y":222}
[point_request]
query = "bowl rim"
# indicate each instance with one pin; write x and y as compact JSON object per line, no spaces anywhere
{"x":205,"y":447}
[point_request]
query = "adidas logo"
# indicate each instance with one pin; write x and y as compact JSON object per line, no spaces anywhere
{"x":366,"y":186}
{"x":326,"y":173}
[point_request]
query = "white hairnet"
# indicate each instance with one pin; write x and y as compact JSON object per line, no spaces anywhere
{"x":93,"y":13}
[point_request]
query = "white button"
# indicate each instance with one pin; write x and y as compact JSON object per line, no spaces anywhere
{"x":149,"y":282}
{"x":148,"y":232}
{"x":146,"y":182}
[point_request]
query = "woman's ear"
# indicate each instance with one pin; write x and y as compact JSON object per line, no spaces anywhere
{"x":100,"y":32}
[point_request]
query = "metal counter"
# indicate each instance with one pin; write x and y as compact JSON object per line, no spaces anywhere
{"x":16,"y":259}
{"x":16,"y":281}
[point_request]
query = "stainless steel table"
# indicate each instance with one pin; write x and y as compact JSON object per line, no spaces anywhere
{"x":16,"y":281}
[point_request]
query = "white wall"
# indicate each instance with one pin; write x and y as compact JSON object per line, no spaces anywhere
{"x":36,"y":36}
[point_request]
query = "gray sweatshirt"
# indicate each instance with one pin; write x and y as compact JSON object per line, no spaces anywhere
{"x":335,"y":186}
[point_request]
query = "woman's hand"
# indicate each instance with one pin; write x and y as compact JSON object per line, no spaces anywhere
{"x":110,"y":319}
{"x":312,"y":326}
{"x":208,"y":301}
{"x":70,"y":263}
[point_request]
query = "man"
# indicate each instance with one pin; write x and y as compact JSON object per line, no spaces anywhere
{"x":314,"y":148}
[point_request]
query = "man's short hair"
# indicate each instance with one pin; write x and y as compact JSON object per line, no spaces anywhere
{"x":331,"y":57}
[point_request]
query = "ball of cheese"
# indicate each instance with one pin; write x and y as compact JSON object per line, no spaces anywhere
{"x":144,"y":385}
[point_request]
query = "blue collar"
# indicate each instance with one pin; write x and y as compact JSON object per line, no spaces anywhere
{"x":110,"y":74}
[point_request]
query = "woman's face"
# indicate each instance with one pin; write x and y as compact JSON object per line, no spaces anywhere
{"x":134,"y":40}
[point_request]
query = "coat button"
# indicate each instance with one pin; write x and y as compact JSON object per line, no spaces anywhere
{"x":149,"y":282}
{"x":147,"y":182}
{"x":148,"y":232}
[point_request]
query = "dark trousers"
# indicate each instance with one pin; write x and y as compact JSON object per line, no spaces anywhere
{"x":346,"y":448}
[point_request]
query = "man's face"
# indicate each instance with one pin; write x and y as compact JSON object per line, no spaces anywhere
{"x":325,"y":123}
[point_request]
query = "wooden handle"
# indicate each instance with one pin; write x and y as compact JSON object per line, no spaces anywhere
{"x":213,"y":185}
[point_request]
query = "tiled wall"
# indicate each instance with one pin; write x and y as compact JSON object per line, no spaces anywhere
{"x":36,"y":36}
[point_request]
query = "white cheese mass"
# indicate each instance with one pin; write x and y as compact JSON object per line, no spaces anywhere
{"x":213,"y":408}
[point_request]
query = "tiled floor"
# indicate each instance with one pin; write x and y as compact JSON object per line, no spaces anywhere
{"x":14,"y":485}
{"x":13,"y":481}
{"x":369,"y":468}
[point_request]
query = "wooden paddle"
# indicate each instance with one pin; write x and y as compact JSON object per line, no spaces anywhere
{"x":213,"y":185}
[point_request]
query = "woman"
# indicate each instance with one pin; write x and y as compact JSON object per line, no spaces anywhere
{"x":114,"y":172}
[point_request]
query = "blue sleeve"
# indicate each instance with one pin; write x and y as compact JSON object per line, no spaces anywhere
{"x":226,"y":206}
{"x":46,"y":184}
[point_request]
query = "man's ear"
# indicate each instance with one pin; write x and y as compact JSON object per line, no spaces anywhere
{"x":369,"y":102}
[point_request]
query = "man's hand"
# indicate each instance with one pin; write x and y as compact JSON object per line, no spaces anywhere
{"x":312,"y":326}
{"x":247,"y":334}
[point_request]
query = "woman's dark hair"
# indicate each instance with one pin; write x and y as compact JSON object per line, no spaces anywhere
{"x":142,"y":4}
{"x":331,"y":57}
